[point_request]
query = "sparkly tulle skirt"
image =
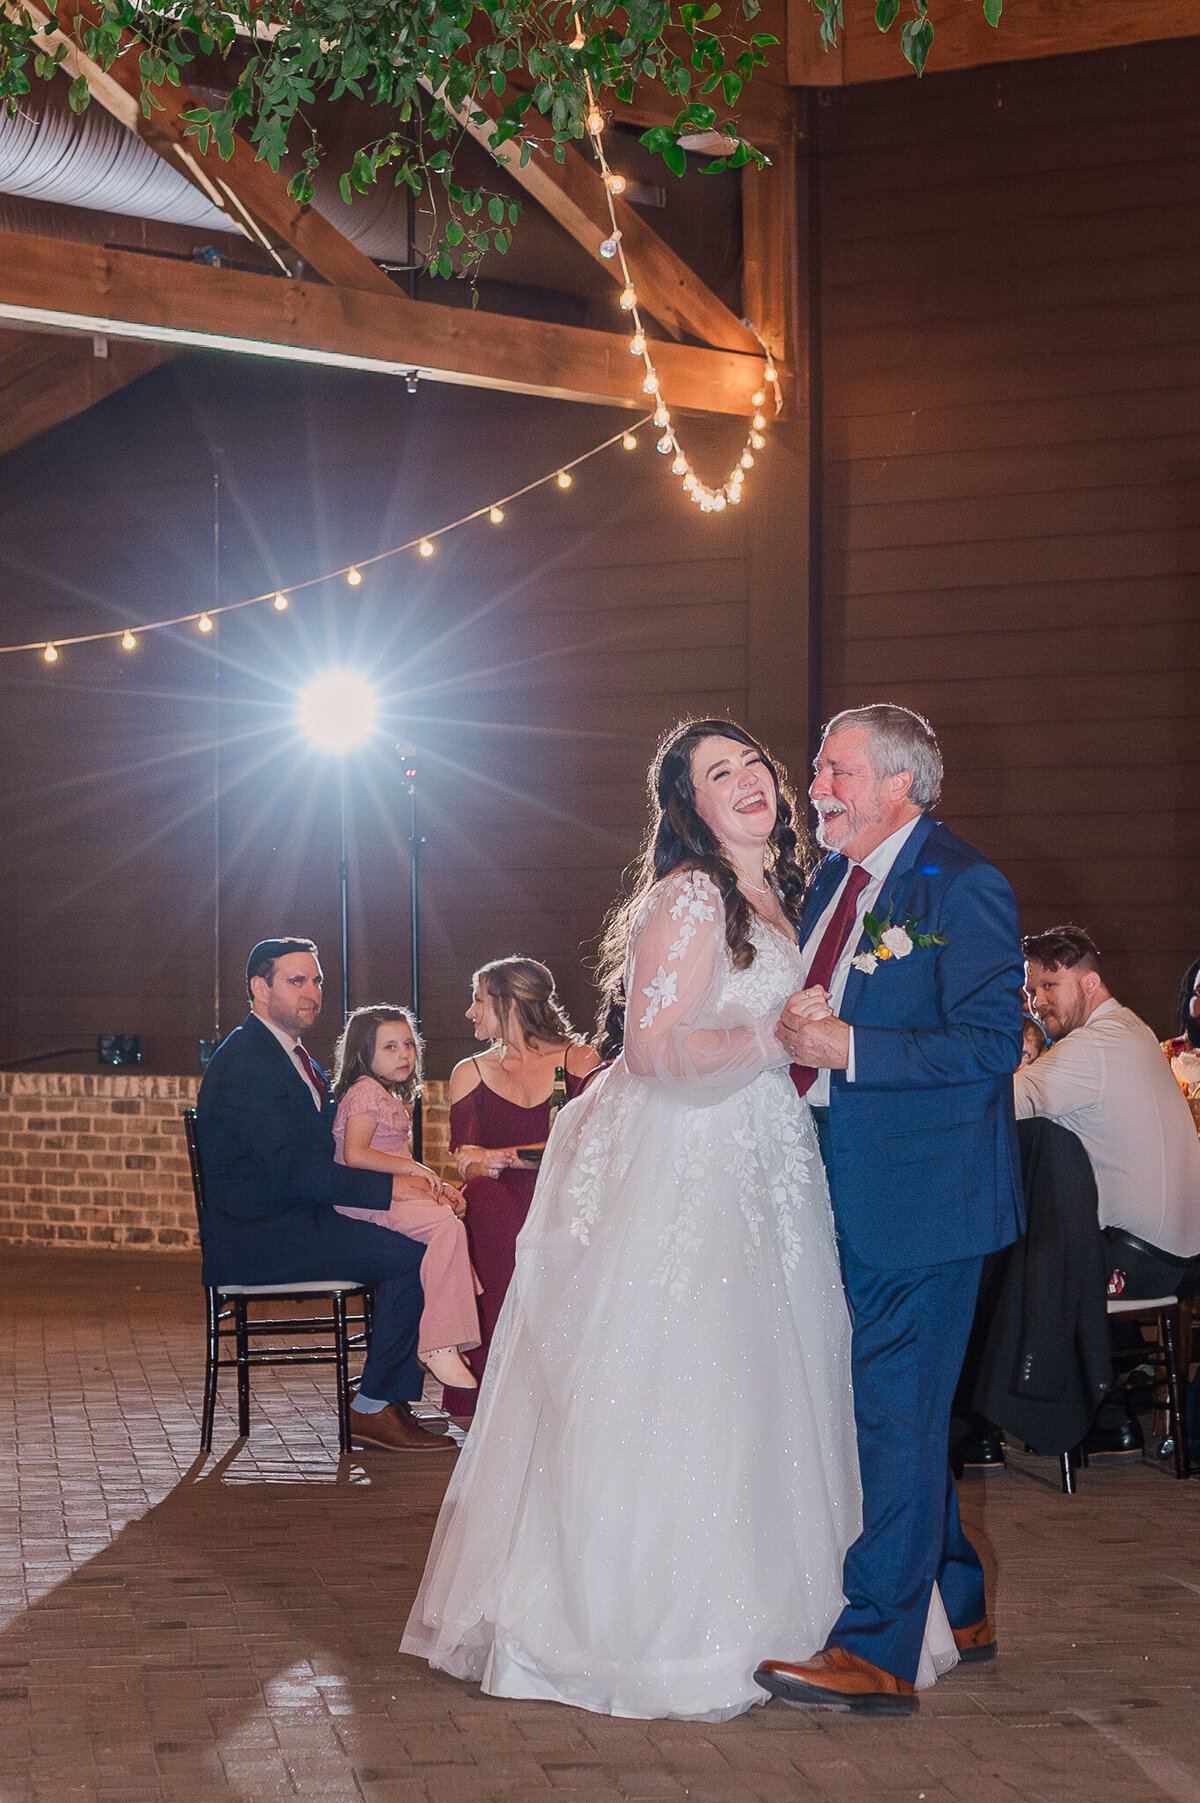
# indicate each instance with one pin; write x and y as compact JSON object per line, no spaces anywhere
{"x":661,"y":1479}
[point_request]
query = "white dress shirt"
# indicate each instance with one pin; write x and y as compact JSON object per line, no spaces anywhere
{"x":289,"y":1042}
{"x":877,"y":864}
{"x":1109,"y":1081}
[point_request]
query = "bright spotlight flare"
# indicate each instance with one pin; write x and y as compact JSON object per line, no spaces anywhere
{"x":337,"y":711}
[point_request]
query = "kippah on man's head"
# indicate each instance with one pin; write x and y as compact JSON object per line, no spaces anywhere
{"x":261,"y":962}
{"x":1062,"y":948}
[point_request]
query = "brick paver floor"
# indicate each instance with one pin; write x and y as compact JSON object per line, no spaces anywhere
{"x":174,"y":1628}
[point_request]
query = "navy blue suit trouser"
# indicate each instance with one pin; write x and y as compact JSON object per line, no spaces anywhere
{"x":305,"y":1245}
{"x":910,"y":1335}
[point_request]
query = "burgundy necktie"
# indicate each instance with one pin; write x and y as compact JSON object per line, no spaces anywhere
{"x":313,"y":1074}
{"x":833,"y":944}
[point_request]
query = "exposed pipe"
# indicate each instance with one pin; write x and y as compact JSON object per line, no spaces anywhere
{"x":90,"y":160}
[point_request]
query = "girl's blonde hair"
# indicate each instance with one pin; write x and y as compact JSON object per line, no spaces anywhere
{"x":355,"y":1050}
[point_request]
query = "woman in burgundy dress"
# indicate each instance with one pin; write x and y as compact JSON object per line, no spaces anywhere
{"x":499,"y":1102}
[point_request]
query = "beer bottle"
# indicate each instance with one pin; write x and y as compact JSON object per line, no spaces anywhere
{"x":558,"y":1094}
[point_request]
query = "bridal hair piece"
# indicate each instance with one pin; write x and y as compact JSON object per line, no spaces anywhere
{"x":678,"y":839}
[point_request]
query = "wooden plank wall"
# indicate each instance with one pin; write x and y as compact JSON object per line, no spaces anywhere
{"x":534,"y":665}
{"x":1011,"y":308}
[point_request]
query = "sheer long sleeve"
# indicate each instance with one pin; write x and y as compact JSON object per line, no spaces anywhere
{"x":678,"y":1036}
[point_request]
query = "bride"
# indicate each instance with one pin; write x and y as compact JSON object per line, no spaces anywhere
{"x":661,"y":1480}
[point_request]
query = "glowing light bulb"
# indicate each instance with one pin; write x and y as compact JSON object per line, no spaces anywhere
{"x":679,"y":467}
{"x":735,"y":495}
{"x":204,"y":624}
{"x":650,"y":385}
{"x":661,"y":416}
{"x":637,"y":344}
{"x":595,"y":121}
{"x":614,"y":183}
{"x":51,"y":654}
{"x":563,"y":478}
{"x":425,"y":548}
{"x":337,"y":711}
{"x":280,"y":602}
{"x":496,"y":515}
{"x":758,"y":422}
{"x":128,"y":642}
{"x":353,"y":577}
{"x":718,"y":503}
{"x":629,"y":442}
{"x":689,"y":482}
{"x":609,"y":248}
{"x":629,"y":297}
{"x":747,"y":460}
{"x":757,"y":440}
{"x":706,"y":505}
{"x":757,"y":398}
{"x":666,"y":444}
{"x":770,"y":373}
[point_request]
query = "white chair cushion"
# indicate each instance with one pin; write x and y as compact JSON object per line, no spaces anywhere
{"x":342,"y":1284}
{"x":1122,"y":1305}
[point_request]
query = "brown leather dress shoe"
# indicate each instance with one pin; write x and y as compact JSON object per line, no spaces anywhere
{"x":837,"y":1679}
{"x":395,"y":1429}
{"x":976,"y":1643}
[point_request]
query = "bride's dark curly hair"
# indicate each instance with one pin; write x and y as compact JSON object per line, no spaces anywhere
{"x":678,"y":839}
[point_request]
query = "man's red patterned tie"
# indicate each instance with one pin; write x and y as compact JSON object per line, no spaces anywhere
{"x":833,"y":944}
{"x":314,"y":1076}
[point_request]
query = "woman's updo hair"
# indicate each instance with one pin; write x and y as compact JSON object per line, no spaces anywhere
{"x":525,"y":998}
{"x":678,"y":839}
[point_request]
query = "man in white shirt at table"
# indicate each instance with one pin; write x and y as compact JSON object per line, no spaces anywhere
{"x":1105,"y":1077}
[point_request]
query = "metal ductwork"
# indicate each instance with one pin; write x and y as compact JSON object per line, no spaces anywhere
{"x":90,"y":160}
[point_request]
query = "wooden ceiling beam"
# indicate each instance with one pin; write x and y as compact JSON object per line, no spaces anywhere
{"x":45,"y":379}
{"x":573,"y":195}
{"x":84,"y":288}
{"x":964,"y":40}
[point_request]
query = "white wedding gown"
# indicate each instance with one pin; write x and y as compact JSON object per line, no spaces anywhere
{"x":661,"y":1479}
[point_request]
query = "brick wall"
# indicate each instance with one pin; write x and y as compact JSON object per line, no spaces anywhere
{"x":101,"y":1161}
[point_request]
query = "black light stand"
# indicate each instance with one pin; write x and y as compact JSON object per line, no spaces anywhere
{"x":345,"y":893}
{"x":414,"y":920}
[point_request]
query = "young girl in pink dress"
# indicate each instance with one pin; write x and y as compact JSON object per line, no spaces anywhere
{"x":377,"y":1070}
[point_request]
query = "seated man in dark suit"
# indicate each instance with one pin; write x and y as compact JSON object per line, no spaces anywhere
{"x":264,"y":1125}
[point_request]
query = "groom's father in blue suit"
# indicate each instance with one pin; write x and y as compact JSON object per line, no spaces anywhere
{"x":264,"y":1124}
{"x":905,"y":1043}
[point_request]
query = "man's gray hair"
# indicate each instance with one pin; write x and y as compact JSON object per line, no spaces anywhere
{"x":899,"y":740}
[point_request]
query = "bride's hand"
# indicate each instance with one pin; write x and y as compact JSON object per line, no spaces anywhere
{"x":806,"y":1004}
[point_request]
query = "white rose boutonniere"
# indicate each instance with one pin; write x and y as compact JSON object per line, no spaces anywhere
{"x":889,"y":939}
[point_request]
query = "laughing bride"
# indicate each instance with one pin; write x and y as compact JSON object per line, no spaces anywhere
{"x":661,"y":1480}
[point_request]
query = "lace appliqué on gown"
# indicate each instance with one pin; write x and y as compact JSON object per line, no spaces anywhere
{"x":615,"y":1541}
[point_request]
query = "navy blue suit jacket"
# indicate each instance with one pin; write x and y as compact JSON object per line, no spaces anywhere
{"x":924,"y":1165}
{"x":264,"y":1147}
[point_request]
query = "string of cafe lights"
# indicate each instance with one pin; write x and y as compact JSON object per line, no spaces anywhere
{"x":425,"y":545}
{"x":709,"y":500}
